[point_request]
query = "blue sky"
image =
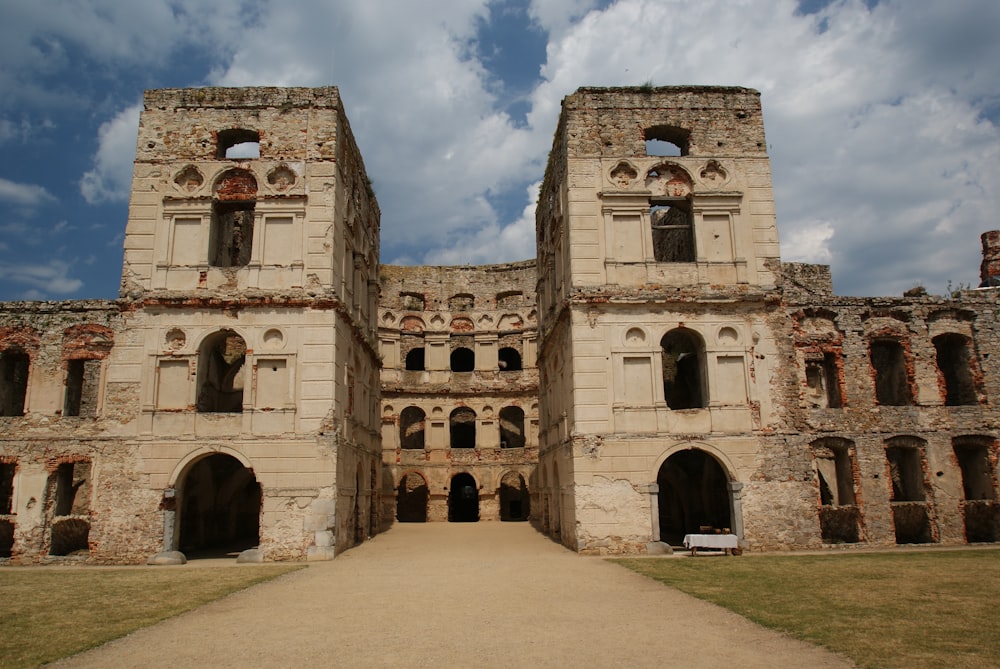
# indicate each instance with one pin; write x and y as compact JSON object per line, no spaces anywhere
{"x":882,"y":117}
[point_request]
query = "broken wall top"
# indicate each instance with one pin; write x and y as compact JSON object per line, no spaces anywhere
{"x":716,"y":120}
{"x":437,"y":284}
{"x":183,"y":124}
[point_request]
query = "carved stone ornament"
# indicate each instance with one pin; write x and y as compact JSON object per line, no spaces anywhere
{"x":189,"y":179}
{"x":623,"y":175}
{"x":668,"y":180}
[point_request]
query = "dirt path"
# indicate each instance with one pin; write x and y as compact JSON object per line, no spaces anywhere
{"x":457,"y":595}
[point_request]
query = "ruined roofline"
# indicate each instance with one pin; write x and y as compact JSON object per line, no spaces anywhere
{"x":496,"y":267}
{"x":244,"y":97}
{"x":666,"y":90}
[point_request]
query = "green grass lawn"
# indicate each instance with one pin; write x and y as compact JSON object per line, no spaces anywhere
{"x":46,"y":614}
{"x":895,"y":609}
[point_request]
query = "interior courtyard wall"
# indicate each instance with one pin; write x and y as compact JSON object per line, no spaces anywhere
{"x":439,"y":309}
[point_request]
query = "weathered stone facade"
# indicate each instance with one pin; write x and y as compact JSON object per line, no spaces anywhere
{"x":262,"y":382}
{"x":691,"y":383}
{"x":459,"y":391}
{"x":236,"y":380}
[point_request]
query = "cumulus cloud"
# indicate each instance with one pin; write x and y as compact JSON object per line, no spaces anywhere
{"x":492,"y":243}
{"x":40,"y":40}
{"x":111,"y":175}
{"x":41,"y":281}
{"x":24,"y":195}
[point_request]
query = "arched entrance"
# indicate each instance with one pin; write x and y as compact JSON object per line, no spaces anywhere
{"x":219,"y":504}
{"x":463,"y":499}
{"x":411,"y":499}
{"x":693,"y":497}
{"x":515,"y":503}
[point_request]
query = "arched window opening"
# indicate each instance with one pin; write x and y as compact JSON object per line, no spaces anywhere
{"x":14,"y":366}
{"x":221,"y":373}
{"x":219,"y":503}
{"x":411,"y":499}
{"x":82,"y":380}
{"x":693,"y":497}
{"x":231,"y":235}
{"x":673,"y":230}
{"x":462,"y":428}
{"x":463,"y":499}
{"x":68,"y":494}
{"x":238,"y":144}
{"x":7,"y":471}
{"x":463,"y":360}
{"x":908,"y":493}
{"x":839,"y":515}
{"x":683,"y":369}
{"x":515,"y":502}
{"x":512,"y":427}
{"x":954,"y":360}
{"x":979,"y":507}
{"x":892,"y":381}
{"x":667,"y":140}
{"x":415,"y":360}
{"x":823,"y":382}
{"x":411,"y":428}
{"x":508,"y":359}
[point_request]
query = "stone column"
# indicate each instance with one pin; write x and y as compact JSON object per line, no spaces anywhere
{"x":654,"y":511}
{"x":169,"y":506}
{"x":736,"y":507}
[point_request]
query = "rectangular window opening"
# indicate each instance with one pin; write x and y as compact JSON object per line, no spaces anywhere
{"x":673,"y":235}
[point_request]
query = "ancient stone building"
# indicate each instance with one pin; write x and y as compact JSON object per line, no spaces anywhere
{"x":459,"y":391}
{"x":264,"y":385}
{"x":229,"y":399}
{"x":691,"y":383}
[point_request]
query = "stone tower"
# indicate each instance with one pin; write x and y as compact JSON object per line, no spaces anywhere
{"x":658,"y":272}
{"x":251,"y":269}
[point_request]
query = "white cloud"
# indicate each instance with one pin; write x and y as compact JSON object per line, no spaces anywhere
{"x":24,"y":195}
{"x":111,"y":175}
{"x":42,"y":39}
{"x":808,"y":243}
{"x":492,"y":243}
{"x":41,"y":280}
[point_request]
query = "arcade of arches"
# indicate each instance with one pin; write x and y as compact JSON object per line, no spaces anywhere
{"x":463,"y":500}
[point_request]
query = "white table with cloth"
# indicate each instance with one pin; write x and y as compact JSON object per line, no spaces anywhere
{"x":726,"y":542}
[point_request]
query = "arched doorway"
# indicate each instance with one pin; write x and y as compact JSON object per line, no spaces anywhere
{"x":515,"y":504}
{"x":220,"y":502}
{"x":463,"y":499}
{"x":694,"y":496}
{"x":411,"y":499}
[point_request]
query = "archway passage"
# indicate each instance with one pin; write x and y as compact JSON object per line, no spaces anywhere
{"x":220,"y":503}
{"x":411,"y":499}
{"x":463,"y":499}
{"x":694,"y":496}
{"x":515,"y":503}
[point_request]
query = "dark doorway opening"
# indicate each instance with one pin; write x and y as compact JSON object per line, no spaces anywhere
{"x":515,"y":502}
{"x":694,"y":496}
{"x":463,"y":499}
{"x":220,"y":503}
{"x":411,"y":499}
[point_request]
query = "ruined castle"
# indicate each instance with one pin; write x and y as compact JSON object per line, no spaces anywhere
{"x":264,"y":386}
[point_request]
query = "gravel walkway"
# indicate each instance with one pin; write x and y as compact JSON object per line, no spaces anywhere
{"x":457,"y":595}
